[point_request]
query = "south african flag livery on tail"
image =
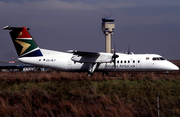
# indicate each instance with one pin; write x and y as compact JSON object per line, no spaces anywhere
{"x":23,"y":42}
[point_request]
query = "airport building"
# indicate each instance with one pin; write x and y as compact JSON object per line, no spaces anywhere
{"x":6,"y":66}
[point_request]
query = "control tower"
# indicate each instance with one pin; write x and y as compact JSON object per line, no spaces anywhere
{"x":108,"y":26}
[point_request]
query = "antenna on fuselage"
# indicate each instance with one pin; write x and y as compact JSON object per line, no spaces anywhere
{"x":129,"y":52}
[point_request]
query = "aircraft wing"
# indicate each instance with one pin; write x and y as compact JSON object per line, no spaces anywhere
{"x":90,"y":57}
{"x":82,"y":52}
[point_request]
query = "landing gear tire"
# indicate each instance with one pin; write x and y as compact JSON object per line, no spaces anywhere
{"x":167,"y":72}
{"x":90,"y":74}
{"x":105,"y":73}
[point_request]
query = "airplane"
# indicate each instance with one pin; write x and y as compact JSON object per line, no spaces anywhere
{"x":80,"y":61}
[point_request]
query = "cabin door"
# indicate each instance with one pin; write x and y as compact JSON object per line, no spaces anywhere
{"x":69,"y":64}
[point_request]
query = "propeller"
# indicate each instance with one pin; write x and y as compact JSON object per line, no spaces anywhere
{"x":114,"y":56}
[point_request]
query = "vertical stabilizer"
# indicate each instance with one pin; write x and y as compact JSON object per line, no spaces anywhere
{"x":23,"y":42}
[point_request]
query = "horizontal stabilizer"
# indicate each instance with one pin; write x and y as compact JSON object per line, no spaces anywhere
{"x":13,"y":28}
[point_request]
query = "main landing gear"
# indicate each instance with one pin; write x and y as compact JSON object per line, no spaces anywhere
{"x":91,"y":69}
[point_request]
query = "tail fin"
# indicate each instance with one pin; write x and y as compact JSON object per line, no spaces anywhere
{"x":23,"y":42}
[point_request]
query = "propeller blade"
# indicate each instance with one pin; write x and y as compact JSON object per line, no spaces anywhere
{"x":114,"y":56}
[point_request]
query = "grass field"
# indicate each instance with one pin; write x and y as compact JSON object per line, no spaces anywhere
{"x":74,"y":94}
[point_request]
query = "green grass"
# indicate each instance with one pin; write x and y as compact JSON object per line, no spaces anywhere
{"x":73,"y":94}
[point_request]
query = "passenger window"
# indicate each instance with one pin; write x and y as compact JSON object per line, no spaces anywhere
{"x":128,"y":61}
{"x":121,"y":61}
{"x":133,"y":61}
{"x":117,"y":61}
{"x":138,"y":61}
{"x":124,"y":61}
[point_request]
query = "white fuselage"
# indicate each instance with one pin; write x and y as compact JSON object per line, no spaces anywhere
{"x":125,"y":62}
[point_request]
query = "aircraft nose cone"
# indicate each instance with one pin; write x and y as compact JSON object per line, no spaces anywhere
{"x":170,"y":66}
{"x":174,"y":67}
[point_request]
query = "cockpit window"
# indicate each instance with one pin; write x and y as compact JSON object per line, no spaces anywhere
{"x":155,"y":58}
{"x":161,"y":58}
{"x":158,"y":58}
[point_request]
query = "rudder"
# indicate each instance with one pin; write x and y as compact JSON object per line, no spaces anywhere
{"x":23,"y":42}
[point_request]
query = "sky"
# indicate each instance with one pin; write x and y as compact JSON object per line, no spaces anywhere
{"x":149,"y":27}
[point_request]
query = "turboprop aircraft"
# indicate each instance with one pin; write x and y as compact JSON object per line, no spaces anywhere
{"x":79,"y":61}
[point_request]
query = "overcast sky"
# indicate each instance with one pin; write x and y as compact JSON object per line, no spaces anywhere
{"x":151,"y":26}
